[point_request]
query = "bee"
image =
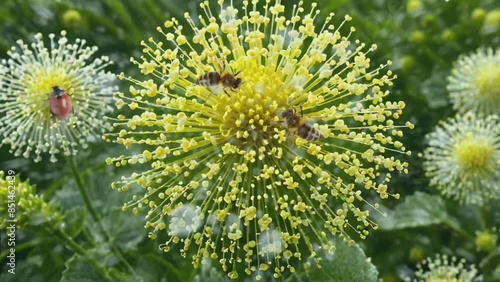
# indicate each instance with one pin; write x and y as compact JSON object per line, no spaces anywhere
{"x":223,"y":79}
{"x":60,"y":103}
{"x":298,"y":125}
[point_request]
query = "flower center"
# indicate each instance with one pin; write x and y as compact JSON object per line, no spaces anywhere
{"x":249,"y":112}
{"x":488,"y":82}
{"x":473,"y":155}
{"x":38,"y":84}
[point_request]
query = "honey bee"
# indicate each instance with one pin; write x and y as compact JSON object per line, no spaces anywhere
{"x":223,"y":79}
{"x":298,"y":125}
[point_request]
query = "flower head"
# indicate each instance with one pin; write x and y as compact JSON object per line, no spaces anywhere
{"x":252,"y":171}
{"x":27,"y":79}
{"x":444,"y":269}
{"x":463,"y":158}
{"x":474,"y":84}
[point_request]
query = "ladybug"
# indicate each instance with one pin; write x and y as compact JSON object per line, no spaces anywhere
{"x":60,"y":103}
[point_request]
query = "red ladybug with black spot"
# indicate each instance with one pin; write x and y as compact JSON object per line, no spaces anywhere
{"x":60,"y":103}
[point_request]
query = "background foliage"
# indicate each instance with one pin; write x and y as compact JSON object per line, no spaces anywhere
{"x":423,"y":38}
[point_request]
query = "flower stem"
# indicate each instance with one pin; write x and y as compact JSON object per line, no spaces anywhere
{"x":120,"y":10}
{"x":436,"y":58}
{"x":88,"y":204}
{"x":77,"y":249}
{"x":458,"y":229}
{"x":169,"y":267}
{"x":483,"y":215}
{"x":83,"y":192}
{"x":21,"y":247}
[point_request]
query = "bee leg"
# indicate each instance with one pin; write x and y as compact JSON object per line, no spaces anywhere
{"x":223,"y":64}
{"x":208,"y":96}
{"x":301,"y":111}
{"x":227,"y":93}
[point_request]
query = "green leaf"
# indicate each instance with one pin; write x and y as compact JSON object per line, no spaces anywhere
{"x":154,"y":267}
{"x":24,"y":271}
{"x":75,"y":220}
{"x":79,"y":270}
{"x":126,"y":229}
{"x":417,"y":210}
{"x":347,"y":264}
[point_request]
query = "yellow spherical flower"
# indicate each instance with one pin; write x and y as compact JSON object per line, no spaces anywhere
{"x":27,"y":80}
{"x":444,"y":269}
{"x":474,"y":84}
{"x":261,"y":135}
{"x":463,"y":158}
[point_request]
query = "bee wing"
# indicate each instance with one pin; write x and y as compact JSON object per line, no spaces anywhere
{"x":282,"y":120}
{"x":314,"y":125}
{"x":216,"y":89}
{"x":280,"y":112}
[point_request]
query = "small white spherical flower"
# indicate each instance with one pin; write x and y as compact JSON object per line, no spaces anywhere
{"x":474,"y":84}
{"x":445,"y":269}
{"x":463,"y":158}
{"x":27,"y":80}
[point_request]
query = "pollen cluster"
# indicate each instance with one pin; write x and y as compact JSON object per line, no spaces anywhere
{"x":26,"y":81}
{"x":226,"y":179}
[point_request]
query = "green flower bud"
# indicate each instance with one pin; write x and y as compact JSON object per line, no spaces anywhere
{"x":417,"y":37}
{"x":430,"y":21}
{"x":414,"y":7}
{"x":407,"y":63}
{"x":485,"y":241}
{"x":477,"y":16}
{"x":491,"y":22}
{"x":416,"y":254}
{"x":19,"y":201}
{"x":448,"y":35}
{"x":72,"y":19}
